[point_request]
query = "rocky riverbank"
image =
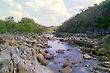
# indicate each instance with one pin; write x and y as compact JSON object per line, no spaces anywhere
{"x":32,"y":53}
{"x":23,"y":53}
{"x":92,"y":47}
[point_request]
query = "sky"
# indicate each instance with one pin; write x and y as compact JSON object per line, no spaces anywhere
{"x":45,"y":12}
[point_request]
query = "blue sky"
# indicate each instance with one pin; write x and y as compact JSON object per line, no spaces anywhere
{"x":45,"y":12}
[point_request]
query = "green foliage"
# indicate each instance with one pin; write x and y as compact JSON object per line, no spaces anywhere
{"x":26,"y":25}
{"x":106,"y":48}
{"x":92,"y":20}
{"x":103,"y":22}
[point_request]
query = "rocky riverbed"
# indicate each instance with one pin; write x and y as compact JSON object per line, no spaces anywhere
{"x":91,"y":46}
{"x":33,"y":53}
{"x":19,"y":53}
{"x":70,"y":59}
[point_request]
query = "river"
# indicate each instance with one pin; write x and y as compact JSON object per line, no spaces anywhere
{"x":72,"y":52}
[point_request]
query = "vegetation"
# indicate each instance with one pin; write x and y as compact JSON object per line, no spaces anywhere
{"x":25,"y":25}
{"x":95,"y":19}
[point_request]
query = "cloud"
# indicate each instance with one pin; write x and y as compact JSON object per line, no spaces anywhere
{"x":76,"y":6}
{"x":17,"y":10}
{"x":98,"y":1}
{"x":13,"y":3}
{"x":48,"y":6}
{"x":49,"y":10}
{"x":20,"y":14}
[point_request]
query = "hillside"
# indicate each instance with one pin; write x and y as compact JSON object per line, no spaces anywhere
{"x":95,"y":19}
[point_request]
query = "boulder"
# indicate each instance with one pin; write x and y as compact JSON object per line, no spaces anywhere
{"x":41,"y":59}
{"x":105,"y":64}
{"x":49,"y":57}
{"x":86,"y":56}
{"x":69,"y":63}
{"x":61,"y":40}
{"x":66,"y":70}
{"x":2,"y":41}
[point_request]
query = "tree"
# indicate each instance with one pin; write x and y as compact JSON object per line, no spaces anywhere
{"x":10,"y":18}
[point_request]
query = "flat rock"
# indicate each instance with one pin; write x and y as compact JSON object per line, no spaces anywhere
{"x":86,"y":56}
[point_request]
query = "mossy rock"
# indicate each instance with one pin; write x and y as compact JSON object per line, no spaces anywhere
{"x":43,"y":52}
{"x":41,"y":59}
{"x":85,"y":49}
{"x":99,"y":52}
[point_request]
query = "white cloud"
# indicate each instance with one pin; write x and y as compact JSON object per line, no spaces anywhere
{"x":50,"y":10}
{"x":48,"y":6}
{"x":53,"y":6}
{"x":79,"y":5}
{"x":98,"y":1}
{"x":13,"y":3}
{"x":18,"y":13}
{"x":21,"y":14}
{"x":18,"y":10}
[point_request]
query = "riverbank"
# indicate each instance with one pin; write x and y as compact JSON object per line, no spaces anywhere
{"x":44,"y":53}
{"x":23,"y":53}
{"x":94,"y":46}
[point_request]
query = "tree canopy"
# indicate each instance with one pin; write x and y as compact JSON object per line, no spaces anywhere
{"x":95,"y":19}
{"x":25,"y":25}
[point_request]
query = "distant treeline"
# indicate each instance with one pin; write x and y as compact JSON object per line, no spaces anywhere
{"x":25,"y":25}
{"x":95,"y":19}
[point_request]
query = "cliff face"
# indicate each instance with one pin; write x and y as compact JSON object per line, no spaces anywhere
{"x":19,"y":58}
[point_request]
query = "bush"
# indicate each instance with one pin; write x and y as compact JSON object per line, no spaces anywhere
{"x":26,"y":25}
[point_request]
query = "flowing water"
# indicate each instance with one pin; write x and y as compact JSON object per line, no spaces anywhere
{"x":74,"y":53}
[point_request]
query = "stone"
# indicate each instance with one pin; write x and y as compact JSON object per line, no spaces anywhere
{"x":87,"y":65}
{"x":20,"y":60}
{"x":66,"y":70}
{"x":1,"y":49}
{"x":46,"y":51}
{"x":69,"y":63}
{"x":41,"y":59}
{"x":2,"y":41}
{"x":86,"y":56}
{"x":60,"y":51}
{"x":61,"y":40}
{"x":49,"y":57}
{"x":106,"y":64}
{"x":69,"y":49}
{"x":107,"y":70}
{"x":41,"y":51}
